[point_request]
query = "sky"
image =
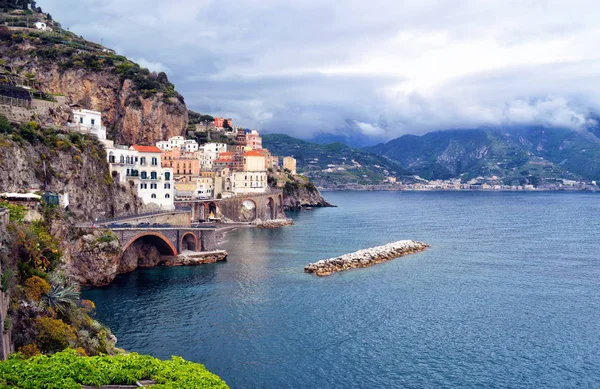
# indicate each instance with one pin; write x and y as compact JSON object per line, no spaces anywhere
{"x":378,"y":69}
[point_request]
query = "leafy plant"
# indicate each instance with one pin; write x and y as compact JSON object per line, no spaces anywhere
{"x":69,"y":370}
{"x":35,"y":288}
{"x":54,"y":334}
{"x":61,"y":296}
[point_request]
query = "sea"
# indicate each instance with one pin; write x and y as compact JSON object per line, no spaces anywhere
{"x":507,"y":296}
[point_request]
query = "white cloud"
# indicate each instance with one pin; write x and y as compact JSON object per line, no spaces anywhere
{"x":312,"y":66}
{"x":152,"y":66}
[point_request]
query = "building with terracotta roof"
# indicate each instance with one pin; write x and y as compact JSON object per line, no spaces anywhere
{"x":254,"y":140}
{"x":141,"y":167}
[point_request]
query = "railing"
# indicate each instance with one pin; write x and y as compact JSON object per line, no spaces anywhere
{"x":160,"y":227}
{"x":5,"y":100}
{"x":145,"y":214}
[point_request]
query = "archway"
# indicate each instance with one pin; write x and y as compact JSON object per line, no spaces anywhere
{"x":145,"y":250}
{"x":158,"y":240}
{"x":270,"y":212}
{"x":213,"y":210}
{"x":248,"y":211}
{"x":189,"y":241}
{"x":280,"y":202}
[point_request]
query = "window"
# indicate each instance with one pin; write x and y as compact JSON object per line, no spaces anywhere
{"x":153,"y":195}
{"x":81,"y":120}
{"x":143,"y":160}
{"x":93,"y":121}
{"x":144,"y":175}
{"x":167,"y":176}
{"x":153,"y":186}
{"x":154,"y":161}
{"x":111,"y":159}
{"x":167,"y":186}
{"x":153,"y":175}
{"x":167,"y":196}
{"x":122,"y":159}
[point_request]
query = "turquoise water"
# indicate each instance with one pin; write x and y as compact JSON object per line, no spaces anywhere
{"x":508,"y":296}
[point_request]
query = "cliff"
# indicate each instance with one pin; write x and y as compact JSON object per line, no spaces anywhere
{"x":137,"y":106}
{"x":299,"y":192}
{"x":73,"y":164}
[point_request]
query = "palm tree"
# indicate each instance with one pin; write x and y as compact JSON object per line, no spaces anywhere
{"x":63,"y":294}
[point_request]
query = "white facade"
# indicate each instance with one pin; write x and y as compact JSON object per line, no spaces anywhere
{"x":210,"y":152}
{"x":178,"y":141}
{"x":90,"y":122}
{"x":249,"y":182}
{"x":142,"y":166}
{"x":42,"y":26}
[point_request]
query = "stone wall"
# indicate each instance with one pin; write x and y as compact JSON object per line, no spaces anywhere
{"x":174,"y":218}
{"x":6,"y":346}
{"x":234,"y":208}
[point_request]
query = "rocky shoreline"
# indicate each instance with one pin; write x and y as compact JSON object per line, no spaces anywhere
{"x":276,"y":223}
{"x":195,"y":258}
{"x":365,"y":257}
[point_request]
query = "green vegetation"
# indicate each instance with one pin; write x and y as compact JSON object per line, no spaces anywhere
{"x":17,"y":212}
{"x":68,"y":369}
{"x":197,"y":118}
{"x":70,"y":51}
{"x":517,"y":156}
{"x":335,"y":163}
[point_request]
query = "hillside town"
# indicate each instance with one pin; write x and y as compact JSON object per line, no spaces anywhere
{"x":182,"y":169}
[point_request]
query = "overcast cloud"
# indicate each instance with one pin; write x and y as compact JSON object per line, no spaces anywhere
{"x":381,"y":68}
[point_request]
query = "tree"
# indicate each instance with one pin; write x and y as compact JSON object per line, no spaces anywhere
{"x":49,"y":17}
{"x":162,"y":78}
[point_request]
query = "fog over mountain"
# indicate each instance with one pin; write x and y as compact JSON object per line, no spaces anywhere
{"x":377,"y":69}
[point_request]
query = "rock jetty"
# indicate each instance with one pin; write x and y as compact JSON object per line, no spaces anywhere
{"x":273,"y":223}
{"x":192,"y":258}
{"x":365,"y":258}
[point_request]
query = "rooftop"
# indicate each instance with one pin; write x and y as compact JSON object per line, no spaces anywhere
{"x":147,"y":149}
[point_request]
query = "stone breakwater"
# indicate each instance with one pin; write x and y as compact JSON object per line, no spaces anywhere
{"x":365,"y":258}
{"x":274,"y":223}
{"x":195,"y":258}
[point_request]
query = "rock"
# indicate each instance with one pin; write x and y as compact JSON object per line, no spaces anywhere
{"x":365,"y":258}
{"x":274,"y":223}
{"x":195,"y":258}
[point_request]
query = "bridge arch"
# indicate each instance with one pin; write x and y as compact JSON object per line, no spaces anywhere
{"x":161,"y":242}
{"x":189,"y":241}
{"x":248,"y":211}
{"x":271,"y":210}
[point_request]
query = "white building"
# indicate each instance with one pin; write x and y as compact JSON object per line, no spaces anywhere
{"x":249,"y":182}
{"x":88,"y":122}
{"x":178,"y":141}
{"x":42,"y":26}
{"x":141,"y":166}
{"x":210,"y":152}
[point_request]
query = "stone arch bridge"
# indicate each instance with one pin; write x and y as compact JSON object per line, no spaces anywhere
{"x":241,"y":208}
{"x":169,"y":240}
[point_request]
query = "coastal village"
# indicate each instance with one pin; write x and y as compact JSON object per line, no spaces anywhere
{"x":180,"y":169}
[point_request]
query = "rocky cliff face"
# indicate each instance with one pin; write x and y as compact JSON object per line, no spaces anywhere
{"x":130,"y":117}
{"x":91,"y":260}
{"x":64,"y":168}
{"x":301,"y":193}
{"x":137,"y":106}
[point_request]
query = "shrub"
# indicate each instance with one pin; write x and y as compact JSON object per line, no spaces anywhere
{"x":35,"y":288}
{"x":107,"y":236}
{"x":54,"y":334}
{"x":29,"y":350}
{"x":68,"y":370}
{"x":87,"y":306}
{"x":17,"y":212}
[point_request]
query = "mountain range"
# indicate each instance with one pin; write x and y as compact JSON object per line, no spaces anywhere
{"x":512,"y":155}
